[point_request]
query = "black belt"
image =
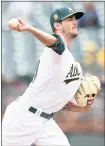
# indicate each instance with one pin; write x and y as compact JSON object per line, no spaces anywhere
{"x":42,"y":114}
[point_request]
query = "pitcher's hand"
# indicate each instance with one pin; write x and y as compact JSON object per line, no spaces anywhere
{"x":21,"y":26}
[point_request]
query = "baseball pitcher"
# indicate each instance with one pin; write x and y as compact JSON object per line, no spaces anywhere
{"x":58,"y":76}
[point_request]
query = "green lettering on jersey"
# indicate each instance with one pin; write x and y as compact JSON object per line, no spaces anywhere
{"x":72,"y":75}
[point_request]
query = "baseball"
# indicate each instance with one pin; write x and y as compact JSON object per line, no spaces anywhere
{"x":13,"y":23}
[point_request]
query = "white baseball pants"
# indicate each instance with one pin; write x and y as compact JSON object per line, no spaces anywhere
{"x":25,"y":128}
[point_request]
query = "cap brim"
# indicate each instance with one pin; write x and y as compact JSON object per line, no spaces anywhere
{"x":78,"y":15}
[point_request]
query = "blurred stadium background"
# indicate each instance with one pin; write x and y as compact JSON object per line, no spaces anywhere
{"x":21,"y":52}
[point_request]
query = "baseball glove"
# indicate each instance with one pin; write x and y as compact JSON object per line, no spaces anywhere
{"x":89,"y":88}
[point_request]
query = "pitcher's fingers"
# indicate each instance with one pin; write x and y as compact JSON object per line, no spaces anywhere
{"x":20,"y":20}
{"x":19,"y":27}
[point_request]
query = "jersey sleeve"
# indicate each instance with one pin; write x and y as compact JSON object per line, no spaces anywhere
{"x":59,"y":46}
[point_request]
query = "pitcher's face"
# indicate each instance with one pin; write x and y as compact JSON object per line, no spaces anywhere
{"x":69,"y":26}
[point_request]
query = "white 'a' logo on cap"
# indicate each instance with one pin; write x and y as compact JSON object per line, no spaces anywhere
{"x":70,"y":10}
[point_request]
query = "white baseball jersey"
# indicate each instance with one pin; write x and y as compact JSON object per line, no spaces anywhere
{"x":57,"y":80}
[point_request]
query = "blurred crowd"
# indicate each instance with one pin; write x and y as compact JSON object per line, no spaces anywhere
{"x":21,"y":52}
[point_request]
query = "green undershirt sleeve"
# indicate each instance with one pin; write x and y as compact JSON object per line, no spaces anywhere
{"x":59,"y":46}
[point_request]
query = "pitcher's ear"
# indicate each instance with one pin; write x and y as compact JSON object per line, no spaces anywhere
{"x":57,"y":26}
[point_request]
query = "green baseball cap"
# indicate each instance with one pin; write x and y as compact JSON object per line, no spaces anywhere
{"x":62,"y":13}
